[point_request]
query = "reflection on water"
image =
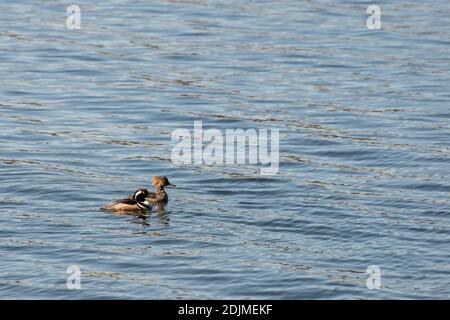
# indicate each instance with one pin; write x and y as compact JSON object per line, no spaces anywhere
{"x":86,"y":117}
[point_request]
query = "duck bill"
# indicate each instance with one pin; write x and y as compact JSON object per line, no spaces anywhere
{"x":171,"y":185}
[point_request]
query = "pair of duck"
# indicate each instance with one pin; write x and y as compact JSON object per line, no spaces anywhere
{"x":142,"y":199}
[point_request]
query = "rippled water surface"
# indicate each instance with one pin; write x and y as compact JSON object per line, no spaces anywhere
{"x":86,"y":117}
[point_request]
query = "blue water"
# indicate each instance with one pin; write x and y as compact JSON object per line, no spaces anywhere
{"x":86,"y":117}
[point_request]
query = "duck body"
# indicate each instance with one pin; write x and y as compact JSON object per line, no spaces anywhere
{"x":137,"y":202}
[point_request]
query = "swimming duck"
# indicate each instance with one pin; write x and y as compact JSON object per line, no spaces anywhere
{"x":137,"y":202}
{"x":160,"y":195}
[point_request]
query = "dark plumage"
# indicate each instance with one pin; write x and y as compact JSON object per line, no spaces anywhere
{"x":137,"y":202}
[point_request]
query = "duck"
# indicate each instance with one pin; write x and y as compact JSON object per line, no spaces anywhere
{"x":137,"y":202}
{"x":159,"y":196}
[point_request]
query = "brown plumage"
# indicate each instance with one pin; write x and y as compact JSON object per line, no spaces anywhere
{"x":137,"y":202}
{"x":160,"y":195}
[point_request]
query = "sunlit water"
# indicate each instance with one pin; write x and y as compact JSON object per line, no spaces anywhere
{"x":86,"y":117}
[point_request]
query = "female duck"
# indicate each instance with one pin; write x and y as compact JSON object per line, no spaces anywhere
{"x":137,"y":202}
{"x":160,"y":195}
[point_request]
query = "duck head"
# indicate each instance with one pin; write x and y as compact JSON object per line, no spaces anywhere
{"x":161,"y":182}
{"x":140,"y":195}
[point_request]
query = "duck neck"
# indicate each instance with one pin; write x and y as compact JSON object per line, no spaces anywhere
{"x":160,"y":189}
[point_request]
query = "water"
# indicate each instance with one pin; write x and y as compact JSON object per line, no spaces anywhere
{"x":86,"y":117}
